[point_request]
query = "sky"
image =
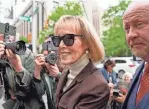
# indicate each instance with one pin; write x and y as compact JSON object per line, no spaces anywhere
{"x":106,"y":3}
{"x":102,"y":3}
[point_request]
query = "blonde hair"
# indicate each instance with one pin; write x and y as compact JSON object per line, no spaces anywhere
{"x":82,"y":26}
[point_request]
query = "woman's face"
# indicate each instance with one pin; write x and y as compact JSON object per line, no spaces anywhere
{"x":71,"y":54}
{"x":127,"y":79}
{"x":110,"y":68}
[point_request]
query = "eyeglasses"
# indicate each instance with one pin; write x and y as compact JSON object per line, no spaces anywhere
{"x":68,"y":39}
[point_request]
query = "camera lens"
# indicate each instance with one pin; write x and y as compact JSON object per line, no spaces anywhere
{"x":116,"y":93}
{"x":18,"y":47}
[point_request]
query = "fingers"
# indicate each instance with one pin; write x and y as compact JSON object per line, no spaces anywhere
{"x":53,"y":69}
{"x":39,"y":60}
{"x":10,"y":54}
{"x":2,"y":48}
{"x":111,"y":85}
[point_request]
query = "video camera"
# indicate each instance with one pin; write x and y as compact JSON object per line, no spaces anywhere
{"x":16,"y":47}
{"x":51,"y":57}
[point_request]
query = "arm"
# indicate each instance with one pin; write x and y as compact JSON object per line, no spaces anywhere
{"x":37,"y":82}
{"x":104,"y":73}
{"x":114,"y":78}
{"x":24,"y":69}
{"x":38,"y":88}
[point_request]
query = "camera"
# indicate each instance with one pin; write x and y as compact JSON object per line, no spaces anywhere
{"x":51,"y":58}
{"x":116,"y":93}
{"x":18,"y":47}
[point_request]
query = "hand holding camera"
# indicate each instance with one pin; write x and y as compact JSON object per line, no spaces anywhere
{"x":39,"y":62}
{"x":52,"y":69}
{"x":14,"y":59}
{"x":120,"y":92}
{"x":116,"y":93}
{"x":120,"y":98}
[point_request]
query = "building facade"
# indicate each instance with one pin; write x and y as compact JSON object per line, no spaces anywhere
{"x":30,"y":17}
{"x":94,"y":14}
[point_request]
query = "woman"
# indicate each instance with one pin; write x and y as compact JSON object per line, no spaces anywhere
{"x":108,"y":72}
{"x":81,"y":85}
{"x":127,"y":77}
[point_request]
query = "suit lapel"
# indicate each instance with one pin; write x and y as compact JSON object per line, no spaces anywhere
{"x":134,"y":81}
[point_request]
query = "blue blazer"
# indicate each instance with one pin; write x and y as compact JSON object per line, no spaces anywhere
{"x":130,"y":101}
{"x":106,"y":76}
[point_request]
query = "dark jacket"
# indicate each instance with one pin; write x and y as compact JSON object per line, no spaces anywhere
{"x":39,"y":87}
{"x":88,"y":90}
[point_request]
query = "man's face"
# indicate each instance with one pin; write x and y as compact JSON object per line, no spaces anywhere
{"x":136,"y":26}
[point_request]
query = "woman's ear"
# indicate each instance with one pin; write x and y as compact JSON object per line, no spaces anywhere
{"x":86,"y":47}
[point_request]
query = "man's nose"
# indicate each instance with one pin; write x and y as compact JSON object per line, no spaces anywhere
{"x":132,"y":33}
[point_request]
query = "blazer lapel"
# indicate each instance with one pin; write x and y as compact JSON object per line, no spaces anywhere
{"x":87,"y":70}
{"x":61,"y":83}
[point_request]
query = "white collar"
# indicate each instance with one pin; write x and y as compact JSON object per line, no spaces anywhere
{"x":76,"y":68}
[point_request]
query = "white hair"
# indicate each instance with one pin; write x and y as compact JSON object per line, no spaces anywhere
{"x":127,"y":74}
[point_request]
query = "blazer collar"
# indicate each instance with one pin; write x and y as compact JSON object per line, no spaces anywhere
{"x":88,"y":69}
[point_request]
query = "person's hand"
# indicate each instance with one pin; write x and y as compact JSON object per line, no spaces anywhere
{"x":111,"y":92}
{"x":2,"y":48}
{"x":52,"y":69}
{"x":14,"y":60}
{"x":111,"y":85}
{"x":39,"y":62}
{"x":120,"y":98}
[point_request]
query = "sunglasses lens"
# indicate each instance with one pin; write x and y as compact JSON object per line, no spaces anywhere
{"x":56,"y":41}
{"x":68,"y":40}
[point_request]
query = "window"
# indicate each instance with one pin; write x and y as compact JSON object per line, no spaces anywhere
{"x":120,"y":61}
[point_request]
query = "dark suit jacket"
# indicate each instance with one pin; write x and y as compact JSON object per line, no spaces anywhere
{"x":89,"y":90}
{"x":130,"y":101}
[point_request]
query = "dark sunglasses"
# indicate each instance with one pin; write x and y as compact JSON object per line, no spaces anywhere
{"x":68,"y":39}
